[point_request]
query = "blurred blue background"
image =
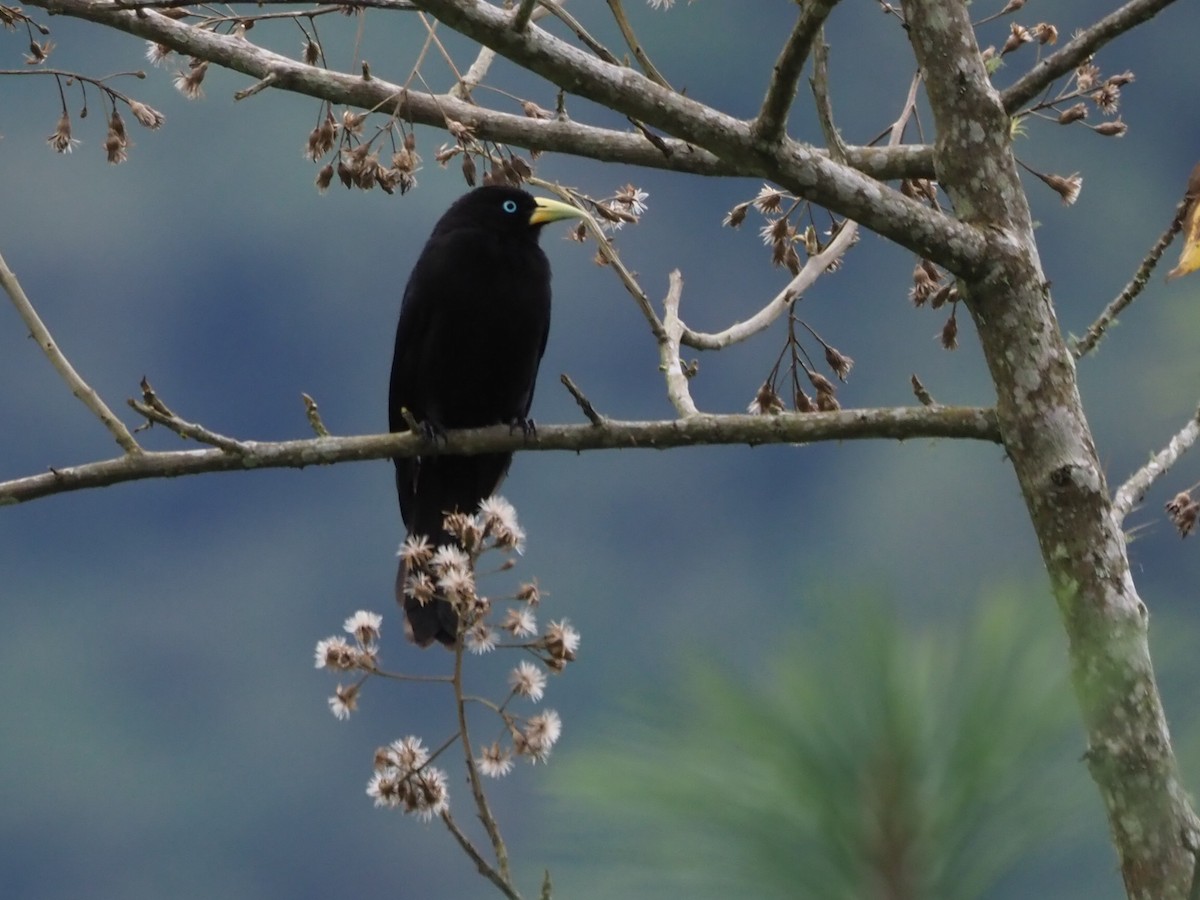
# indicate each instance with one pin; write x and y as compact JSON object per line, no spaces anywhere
{"x":164,"y":731}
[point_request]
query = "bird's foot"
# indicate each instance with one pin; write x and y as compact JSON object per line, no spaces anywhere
{"x":528,"y":427}
{"x":433,"y":432}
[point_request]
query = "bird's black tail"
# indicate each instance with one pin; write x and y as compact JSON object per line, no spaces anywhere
{"x":424,"y":623}
{"x":446,"y":483}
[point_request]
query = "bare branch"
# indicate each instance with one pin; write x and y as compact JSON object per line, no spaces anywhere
{"x":771,"y":122}
{"x":668,"y":348}
{"x":477,"y":793}
{"x":80,"y":388}
{"x":899,"y":423}
{"x":485,"y":868}
{"x":1136,"y":486}
{"x":1130,"y":292}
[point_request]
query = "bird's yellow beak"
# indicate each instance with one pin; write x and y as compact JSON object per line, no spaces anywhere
{"x":553,"y":210}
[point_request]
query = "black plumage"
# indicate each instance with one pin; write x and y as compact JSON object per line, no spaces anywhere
{"x":473,"y":327}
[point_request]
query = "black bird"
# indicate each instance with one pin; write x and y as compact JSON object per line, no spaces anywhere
{"x":473,"y":327}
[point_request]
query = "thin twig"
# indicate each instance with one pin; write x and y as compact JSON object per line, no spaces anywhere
{"x":609,"y":254}
{"x":313,"y":413}
{"x":80,"y":388}
{"x":820,"y":88}
{"x":1130,"y":292}
{"x":523,"y":14}
{"x":481,"y":802}
{"x":191,"y":430}
{"x":584,"y":403}
{"x":635,"y":46}
{"x":771,"y":122}
{"x":485,"y":868}
{"x":1136,"y":486}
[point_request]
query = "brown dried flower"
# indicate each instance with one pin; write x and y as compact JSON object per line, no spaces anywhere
{"x":737,"y":215}
{"x":61,"y":141}
{"x":838,"y":362}
{"x":1086,"y":76}
{"x":1045,"y":33}
{"x":324,"y":177}
{"x":1183,"y":511}
{"x":949,"y":334}
{"x":190,"y":83}
{"x":766,"y":402}
{"x":1111,"y":129}
{"x":1107,"y":99}
{"x":147,"y":116}
{"x":1018,"y":35}
{"x":1073,"y":114}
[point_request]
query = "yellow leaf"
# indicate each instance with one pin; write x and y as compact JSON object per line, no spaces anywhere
{"x":1189,"y":257}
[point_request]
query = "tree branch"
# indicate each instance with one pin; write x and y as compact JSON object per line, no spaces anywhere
{"x":550,"y":135}
{"x":1141,"y":278}
{"x":668,"y":348}
{"x":1076,"y":51}
{"x":45,"y":341}
{"x":771,"y":122}
{"x":793,"y":165}
{"x":1136,"y":486}
{"x":899,"y":423}
{"x":1053,"y":453}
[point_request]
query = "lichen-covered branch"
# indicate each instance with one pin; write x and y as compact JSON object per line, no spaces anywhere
{"x":785,"y":76}
{"x":1050,"y":445}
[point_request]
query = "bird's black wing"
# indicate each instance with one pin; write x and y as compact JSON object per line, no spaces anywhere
{"x":473,"y":326}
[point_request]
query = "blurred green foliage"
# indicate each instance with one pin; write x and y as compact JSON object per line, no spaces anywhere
{"x":875,"y":760}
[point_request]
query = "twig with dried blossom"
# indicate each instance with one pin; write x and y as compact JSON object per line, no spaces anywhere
{"x":704,"y":139}
{"x":771,"y":122}
{"x":1137,"y":283}
{"x":1136,"y":486}
{"x":80,"y":388}
{"x":668,"y":349}
{"x":898,"y":423}
{"x":1077,"y":50}
{"x":813,"y":268}
{"x":610,"y":256}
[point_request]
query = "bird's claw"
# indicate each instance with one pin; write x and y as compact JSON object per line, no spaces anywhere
{"x":433,"y":432}
{"x":528,"y":427}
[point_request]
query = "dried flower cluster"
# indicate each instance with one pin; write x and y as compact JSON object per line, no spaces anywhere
{"x":1183,"y":511}
{"x":358,"y":161}
{"x":768,"y":401}
{"x":778,"y":209}
{"x":404,"y":777}
{"x":932,"y":286}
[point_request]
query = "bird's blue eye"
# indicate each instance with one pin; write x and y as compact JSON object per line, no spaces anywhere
{"x":509,"y":206}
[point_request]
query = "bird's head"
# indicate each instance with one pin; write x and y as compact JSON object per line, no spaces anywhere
{"x":505,"y":209}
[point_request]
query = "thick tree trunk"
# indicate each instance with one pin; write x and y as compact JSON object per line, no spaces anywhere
{"x":1050,"y":445}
